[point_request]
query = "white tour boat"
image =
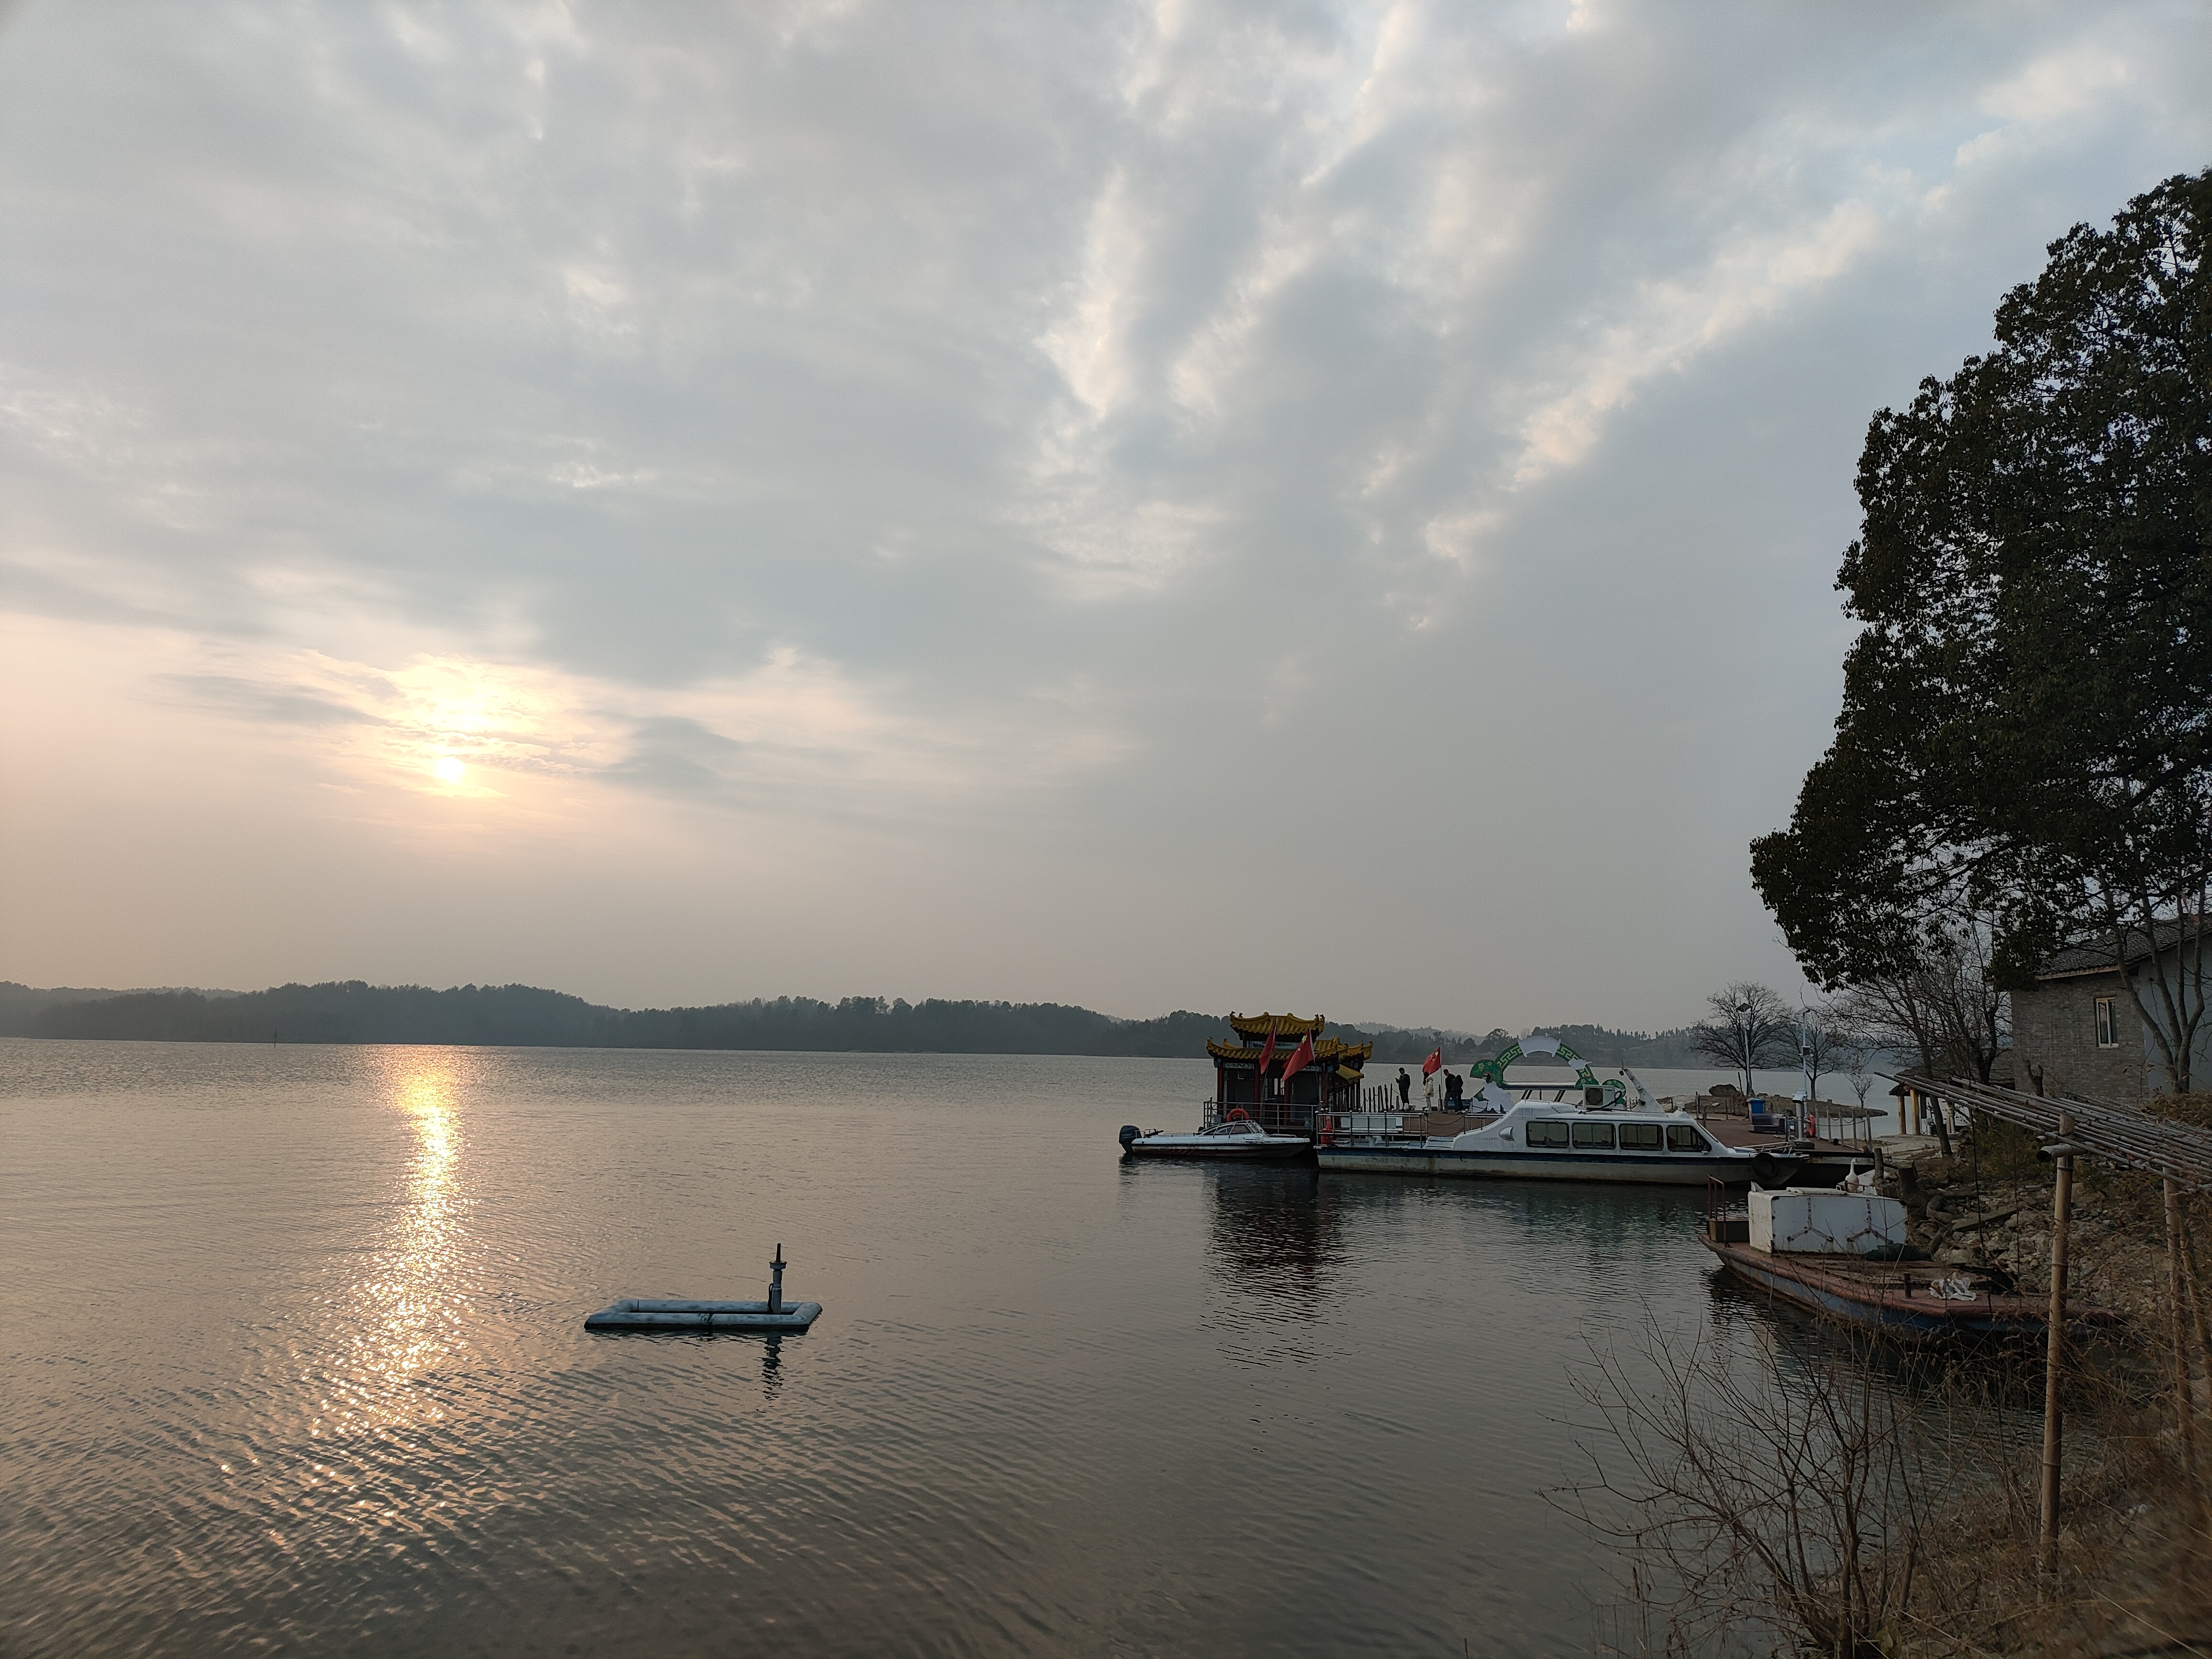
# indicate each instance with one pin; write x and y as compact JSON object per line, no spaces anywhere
{"x":1550,"y":1141}
{"x":1235,"y":1137}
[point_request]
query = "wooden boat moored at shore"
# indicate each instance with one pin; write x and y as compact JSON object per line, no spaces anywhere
{"x":1877,"y":1288}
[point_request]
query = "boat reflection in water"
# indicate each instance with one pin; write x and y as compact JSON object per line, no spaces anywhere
{"x":1275,"y":1249}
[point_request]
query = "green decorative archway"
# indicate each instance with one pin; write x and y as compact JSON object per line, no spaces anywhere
{"x":1493,"y":1069}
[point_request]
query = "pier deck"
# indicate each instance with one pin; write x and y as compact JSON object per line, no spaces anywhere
{"x":1825,"y":1165}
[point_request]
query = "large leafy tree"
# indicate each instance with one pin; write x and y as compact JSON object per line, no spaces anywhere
{"x":2026,"y":728}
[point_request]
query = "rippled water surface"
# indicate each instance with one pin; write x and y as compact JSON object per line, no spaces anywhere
{"x":295,"y":1362}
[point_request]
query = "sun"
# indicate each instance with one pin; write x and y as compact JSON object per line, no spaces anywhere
{"x":449,"y":770}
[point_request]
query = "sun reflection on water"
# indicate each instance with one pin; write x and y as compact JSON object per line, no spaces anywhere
{"x":417,"y":1292}
{"x":396,"y":1334}
{"x":401,"y":1320}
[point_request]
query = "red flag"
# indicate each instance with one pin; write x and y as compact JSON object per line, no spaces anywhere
{"x":1301,"y":1057}
{"x":1434,"y":1063}
{"x":1267,"y":1053}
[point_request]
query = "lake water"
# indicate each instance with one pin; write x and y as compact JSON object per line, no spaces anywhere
{"x":294,"y":1361}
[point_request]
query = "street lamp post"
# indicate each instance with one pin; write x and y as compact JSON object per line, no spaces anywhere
{"x":1743,"y":1026}
{"x":1808,"y":1057}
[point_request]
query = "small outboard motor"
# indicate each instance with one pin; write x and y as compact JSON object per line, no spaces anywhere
{"x":1130,"y":1134}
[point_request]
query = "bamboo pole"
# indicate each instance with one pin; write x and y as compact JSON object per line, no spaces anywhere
{"x":2196,"y":1300}
{"x":2117,"y":1134}
{"x":2185,"y":1392}
{"x":2054,"y":1356}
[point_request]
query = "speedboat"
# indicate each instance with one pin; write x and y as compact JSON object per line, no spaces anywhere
{"x":1550,"y":1140}
{"x":1235,"y":1137}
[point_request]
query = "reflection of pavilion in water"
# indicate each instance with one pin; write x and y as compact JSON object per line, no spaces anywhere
{"x":1273,"y":1234}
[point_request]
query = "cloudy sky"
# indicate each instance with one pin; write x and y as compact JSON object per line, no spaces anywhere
{"x":1310,"y":505}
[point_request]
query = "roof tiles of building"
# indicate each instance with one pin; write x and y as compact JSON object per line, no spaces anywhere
{"x":1326,"y":1048}
{"x":2097,"y":956}
{"x":1284,"y":1025}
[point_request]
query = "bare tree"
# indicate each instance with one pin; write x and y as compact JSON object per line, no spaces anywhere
{"x":1856,"y":1056}
{"x":1946,"y":1011}
{"x":2164,"y":962}
{"x":1821,"y":1042}
{"x":1756,"y":1508}
{"x":1749,"y":1026}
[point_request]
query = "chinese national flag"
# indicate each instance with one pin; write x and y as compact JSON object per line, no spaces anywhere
{"x":1301,"y":1057}
{"x":1267,"y":1054}
{"x":1434,"y":1063}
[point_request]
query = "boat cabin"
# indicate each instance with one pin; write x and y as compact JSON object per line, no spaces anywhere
{"x":1598,"y":1134}
{"x":1541,"y":1126}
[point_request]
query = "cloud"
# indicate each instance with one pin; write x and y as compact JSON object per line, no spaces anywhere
{"x":277,"y":705}
{"x":792,"y":735}
{"x":1026,"y":435}
{"x":669,"y":754}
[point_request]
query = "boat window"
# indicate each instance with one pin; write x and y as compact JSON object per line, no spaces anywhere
{"x":1640,"y":1137}
{"x":1681,"y":1138}
{"x":1593,"y":1134}
{"x":1541,"y":1134}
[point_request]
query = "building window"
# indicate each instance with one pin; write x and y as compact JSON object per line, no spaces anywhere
{"x":2108,"y":1023}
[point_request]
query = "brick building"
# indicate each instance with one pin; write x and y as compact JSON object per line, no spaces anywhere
{"x":2079,"y":1024}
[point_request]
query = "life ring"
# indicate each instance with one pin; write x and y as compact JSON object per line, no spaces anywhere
{"x":1236,"y":1112}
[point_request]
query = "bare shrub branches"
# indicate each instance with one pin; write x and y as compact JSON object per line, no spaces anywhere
{"x":1784,"y":1501}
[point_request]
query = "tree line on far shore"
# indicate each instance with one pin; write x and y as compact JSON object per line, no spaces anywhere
{"x":523,"y":1015}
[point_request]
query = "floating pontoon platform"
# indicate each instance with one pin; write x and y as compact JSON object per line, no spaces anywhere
{"x":774,"y":1315}
{"x":636,"y":1315}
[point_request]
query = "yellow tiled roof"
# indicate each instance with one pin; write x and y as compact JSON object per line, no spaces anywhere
{"x":1327,"y":1050}
{"x":1285,"y":1026}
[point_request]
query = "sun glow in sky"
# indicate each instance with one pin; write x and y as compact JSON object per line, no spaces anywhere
{"x":1153,"y":507}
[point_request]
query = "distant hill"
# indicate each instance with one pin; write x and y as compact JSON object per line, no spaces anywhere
{"x":21,"y":1004}
{"x":524,"y":1016}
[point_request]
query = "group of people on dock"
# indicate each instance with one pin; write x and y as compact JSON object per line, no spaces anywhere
{"x":1455,"y":1088}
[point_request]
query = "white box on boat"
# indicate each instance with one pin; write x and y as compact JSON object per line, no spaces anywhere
{"x":1818,"y":1220}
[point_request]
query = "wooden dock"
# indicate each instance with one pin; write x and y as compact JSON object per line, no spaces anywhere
{"x":1827,"y":1162}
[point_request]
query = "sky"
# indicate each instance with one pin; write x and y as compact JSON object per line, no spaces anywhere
{"x":1323,"y":507}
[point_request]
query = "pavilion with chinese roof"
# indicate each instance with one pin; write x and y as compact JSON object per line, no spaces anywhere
{"x":1246,"y":1074}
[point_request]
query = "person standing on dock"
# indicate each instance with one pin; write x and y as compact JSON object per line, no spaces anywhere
{"x":1405,"y":1087}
